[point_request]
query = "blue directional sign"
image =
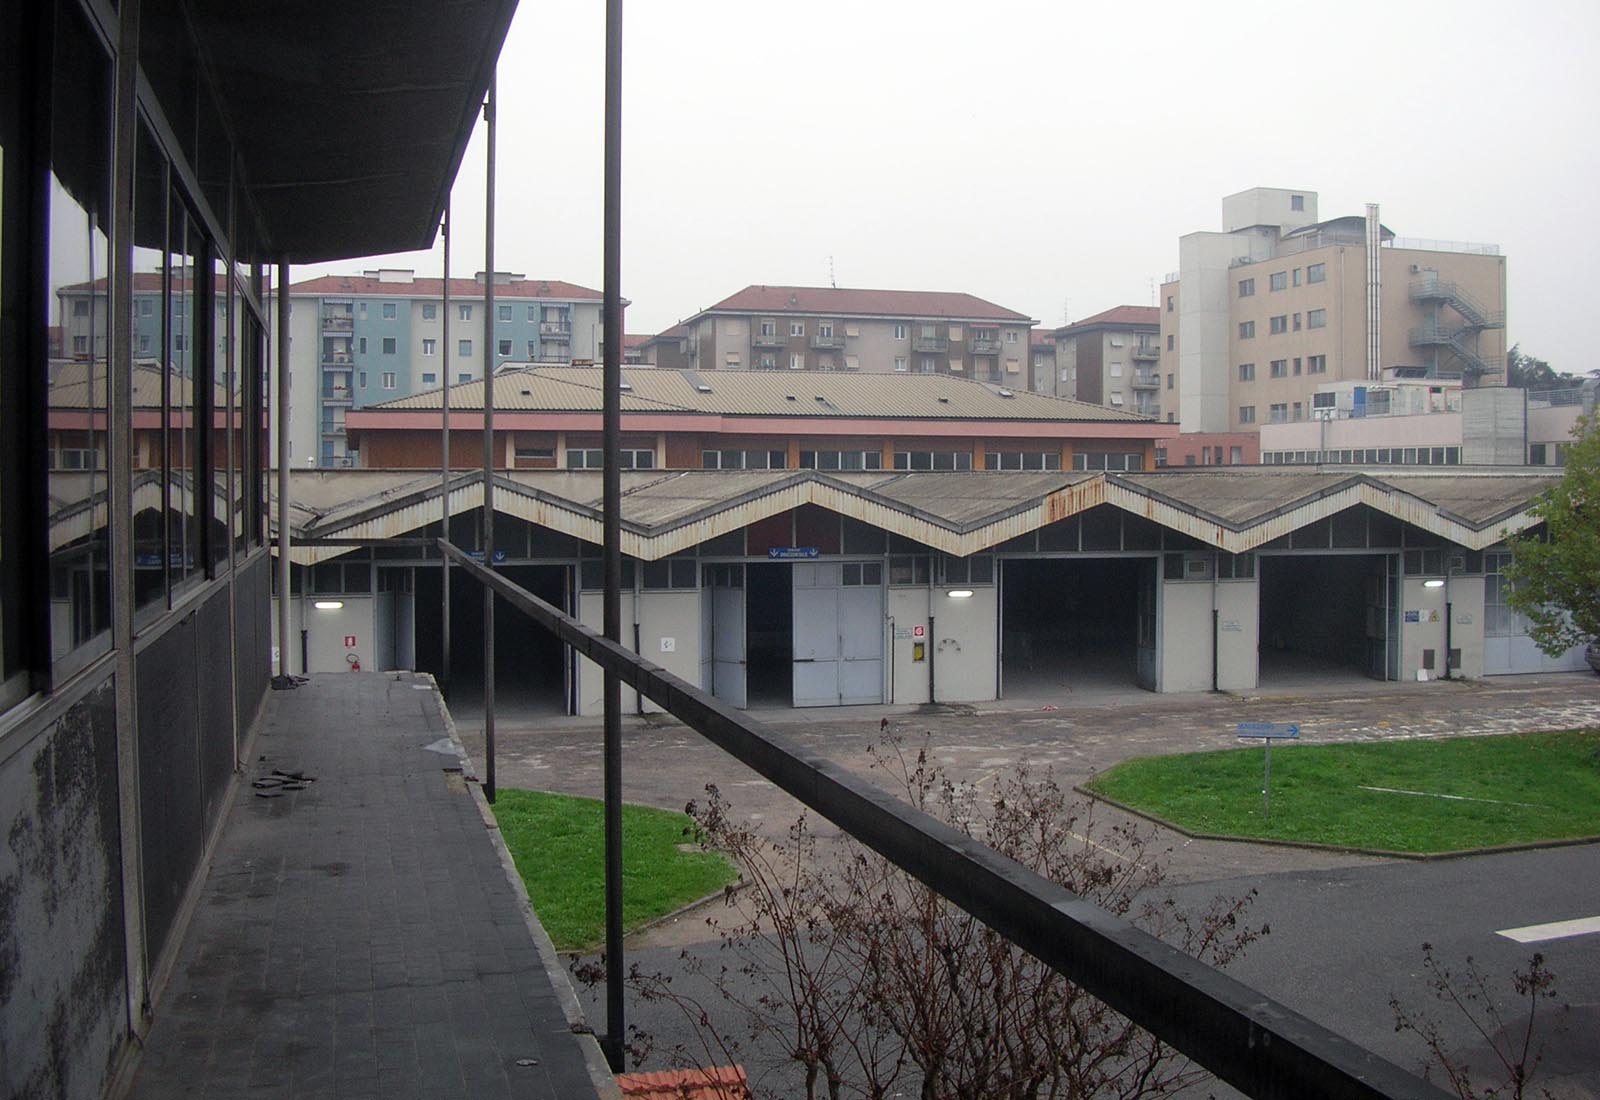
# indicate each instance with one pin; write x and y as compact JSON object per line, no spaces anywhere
{"x":784,"y":553}
{"x":1273,"y":730}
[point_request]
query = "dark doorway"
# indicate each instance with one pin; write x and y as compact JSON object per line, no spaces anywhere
{"x":1069,"y":624}
{"x":769,"y":639}
{"x":532,"y":673}
{"x":1325,"y":614}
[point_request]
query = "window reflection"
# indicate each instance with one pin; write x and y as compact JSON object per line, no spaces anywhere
{"x":150,"y":339}
{"x":219,"y":413}
{"x":76,"y":436}
{"x":184,"y":547}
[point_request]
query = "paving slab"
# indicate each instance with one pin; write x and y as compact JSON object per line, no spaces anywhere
{"x":357,"y":933}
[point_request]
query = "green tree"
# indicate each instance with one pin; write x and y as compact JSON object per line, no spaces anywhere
{"x":1525,"y":372}
{"x":1555,"y":572}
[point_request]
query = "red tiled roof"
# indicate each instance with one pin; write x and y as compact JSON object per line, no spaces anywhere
{"x":713,"y":1083}
{"x":676,"y":332}
{"x":335,"y":286}
{"x":1118,"y":315}
{"x":635,"y":339}
{"x":144,"y":282}
{"x":1041,"y":338}
{"x":875,"y":303}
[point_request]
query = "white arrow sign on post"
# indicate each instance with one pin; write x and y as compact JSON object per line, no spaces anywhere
{"x":1268,"y":732}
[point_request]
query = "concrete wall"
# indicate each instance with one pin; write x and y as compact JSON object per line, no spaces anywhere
{"x":62,"y":979}
{"x":908,"y":607}
{"x":1494,"y":426}
{"x":326,"y":632}
{"x":1426,"y":633}
{"x":591,"y":679}
{"x":1185,"y":636}
{"x":1238,"y":635}
{"x":1205,"y":329}
{"x":966,"y":646}
{"x":673,"y":614}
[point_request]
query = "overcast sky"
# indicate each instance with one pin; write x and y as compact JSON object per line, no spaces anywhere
{"x":1044,"y":155}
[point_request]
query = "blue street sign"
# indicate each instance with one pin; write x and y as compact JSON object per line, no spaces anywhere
{"x":1274,"y":730}
{"x":779,"y":553}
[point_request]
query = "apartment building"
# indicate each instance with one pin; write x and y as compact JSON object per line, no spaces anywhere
{"x":1280,"y":301}
{"x":357,"y":340}
{"x":667,"y":348}
{"x":1042,"y":361}
{"x":871,"y":331}
{"x":1112,"y":359}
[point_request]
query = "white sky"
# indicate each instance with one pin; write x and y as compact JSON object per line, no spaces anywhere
{"x":1043,"y":155}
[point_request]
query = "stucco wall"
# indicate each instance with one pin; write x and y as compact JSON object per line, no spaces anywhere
{"x":1185,"y":637}
{"x":671,"y":614}
{"x":966,"y":648}
{"x":908,"y":607}
{"x":1238,"y":635}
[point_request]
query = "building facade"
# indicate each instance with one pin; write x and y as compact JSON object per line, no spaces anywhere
{"x":1112,"y":359}
{"x":870,"y":331}
{"x":549,"y":418}
{"x":360,"y":340}
{"x":1279,"y":301}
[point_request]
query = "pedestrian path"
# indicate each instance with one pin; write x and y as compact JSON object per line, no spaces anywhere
{"x":357,"y":935}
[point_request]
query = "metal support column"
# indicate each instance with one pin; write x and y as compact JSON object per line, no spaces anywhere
{"x":444,"y":463}
{"x":488,"y":445}
{"x":285,"y":595}
{"x":612,"y":538}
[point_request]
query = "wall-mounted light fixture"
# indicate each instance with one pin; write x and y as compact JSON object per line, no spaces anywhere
{"x":328,"y":605}
{"x":960,"y":593}
{"x":1435,"y":583}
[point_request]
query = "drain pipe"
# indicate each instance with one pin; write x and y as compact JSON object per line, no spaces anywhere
{"x":1216,"y":628}
{"x":933,"y":644}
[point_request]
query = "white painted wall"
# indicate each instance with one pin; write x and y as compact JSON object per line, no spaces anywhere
{"x":1205,"y":329}
{"x":671,"y":614}
{"x":908,"y":607}
{"x":966,"y":644}
{"x":591,"y":680}
{"x":1466,"y":630}
{"x":1185,"y":625}
{"x":326,"y":632}
{"x":1426,"y":633}
{"x":1238,"y":635}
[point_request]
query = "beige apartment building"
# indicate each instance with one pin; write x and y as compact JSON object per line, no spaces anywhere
{"x":872,"y":331}
{"x":1279,"y":302}
{"x":1112,"y":359}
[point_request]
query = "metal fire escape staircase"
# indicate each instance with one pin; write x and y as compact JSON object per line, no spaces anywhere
{"x":1459,"y":339}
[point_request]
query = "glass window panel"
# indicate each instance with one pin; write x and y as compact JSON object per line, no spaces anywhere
{"x":149,"y":378}
{"x":77,"y":257}
{"x":217,"y":417}
{"x":12,"y":459}
{"x":183,"y":382}
{"x":872,"y":573}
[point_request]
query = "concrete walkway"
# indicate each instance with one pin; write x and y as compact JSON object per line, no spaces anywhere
{"x":360,"y":937}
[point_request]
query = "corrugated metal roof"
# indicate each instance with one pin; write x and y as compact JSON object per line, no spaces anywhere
{"x":765,"y":393}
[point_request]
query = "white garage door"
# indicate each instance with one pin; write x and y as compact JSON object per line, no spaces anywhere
{"x":838,"y":633}
{"x":1506,"y":645}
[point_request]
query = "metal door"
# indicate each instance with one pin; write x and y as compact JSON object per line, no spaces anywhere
{"x":861,"y":626}
{"x":816,"y":634}
{"x":1147,"y":659}
{"x":1383,"y":618}
{"x":722,"y":635}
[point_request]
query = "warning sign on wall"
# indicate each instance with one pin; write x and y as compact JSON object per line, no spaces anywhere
{"x":919,"y":631}
{"x":349,"y":641}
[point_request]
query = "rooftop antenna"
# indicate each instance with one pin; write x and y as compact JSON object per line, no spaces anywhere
{"x":831,"y":280}
{"x":1066,"y":311}
{"x":1153,"y":290}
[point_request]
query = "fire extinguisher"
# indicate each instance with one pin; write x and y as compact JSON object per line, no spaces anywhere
{"x":353,"y":661}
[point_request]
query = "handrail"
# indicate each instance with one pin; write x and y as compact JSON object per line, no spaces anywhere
{"x":1248,"y":1040}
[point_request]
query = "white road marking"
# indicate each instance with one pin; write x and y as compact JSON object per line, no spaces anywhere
{"x":1556,"y":930}
{"x":1452,"y":797}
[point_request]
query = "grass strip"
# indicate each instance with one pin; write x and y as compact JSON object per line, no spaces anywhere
{"x":558,"y":844}
{"x":1508,"y":789}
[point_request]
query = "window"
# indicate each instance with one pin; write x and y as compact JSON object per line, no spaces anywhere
{"x":1170,"y":381}
{"x":900,"y":364}
{"x":1247,"y":288}
{"x":1280,"y":368}
{"x":464,"y":376}
{"x":388,"y":379}
{"x":909,"y":570}
{"x":1297,"y":413}
{"x":533,"y":349}
{"x":797,"y":328}
{"x":1247,"y":330}
{"x":1297,"y":366}
{"x":1297,"y":322}
{"x":1247,"y":414}
{"x":1297,"y":203}
{"x":361,"y":345}
{"x":362,"y":308}
{"x":361,"y":378}
{"x":933,"y":460}
{"x":841,"y":460}
{"x":978,"y":569}
{"x":1317,"y":318}
{"x":429,"y":378}
{"x":899,"y":332}
{"x":503,"y":312}
{"x":464,"y":348}
{"x":1235,"y":455}
{"x":430,"y":311}
{"x":927,"y":365}
{"x":769,"y":328}
{"x":1023,"y":460}
{"x":504,"y":348}
{"x":767,"y":361}
{"x":1280,"y":324}
{"x":1169,"y":303}
{"x":388,"y":345}
{"x":743,"y":460}
{"x":796,"y":361}
{"x":593,"y":458}
{"x":1277,"y":414}
{"x":1316,"y":364}
{"x":1297,"y":276}
{"x":1094,"y":460}
{"x":1278,"y":280}
{"x":430,"y":347}
{"x":1317,"y":273}
{"x":464,"y":312}
{"x":1169,"y":341}
{"x":1011,"y":336}
{"x":825,"y":328}
{"x":389,"y":312}
{"x":1247,"y":372}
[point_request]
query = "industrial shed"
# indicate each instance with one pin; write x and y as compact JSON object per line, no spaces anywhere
{"x":806,"y":588}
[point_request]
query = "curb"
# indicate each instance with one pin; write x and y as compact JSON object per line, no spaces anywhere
{"x":1313,"y":846}
{"x":605,"y":1082}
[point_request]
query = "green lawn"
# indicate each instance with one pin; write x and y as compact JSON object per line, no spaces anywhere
{"x":1523,"y":787}
{"x":558,"y":844}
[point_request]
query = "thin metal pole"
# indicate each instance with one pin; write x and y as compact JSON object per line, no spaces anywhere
{"x":488,"y":445}
{"x":284,"y":594}
{"x":444,"y":464}
{"x":612,"y":517}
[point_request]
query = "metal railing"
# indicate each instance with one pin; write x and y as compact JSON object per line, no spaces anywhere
{"x":558,"y":329}
{"x":1146,"y":380}
{"x":769,"y":340}
{"x":342,"y":322}
{"x":929,"y":343}
{"x":1476,"y":315}
{"x":984,"y":347}
{"x":1246,"y":1039}
{"x":1424,"y":244}
{"x":1147,"y":353}
{"x":827,"y":343}
{"x":1571,"y":396}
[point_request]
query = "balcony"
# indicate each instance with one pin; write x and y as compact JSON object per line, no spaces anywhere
{"x":985,"y":346}
{"x":1146,"y":380}
{"x":555,"y":330}
{"x":769,"y":340}
{"x":930,"y":344}
{"x":827,"y":343}
{"x":338,"y":395}
{"x":338,"y":322}
{"x":1146,"y":353}
{"x":339,"y":360}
